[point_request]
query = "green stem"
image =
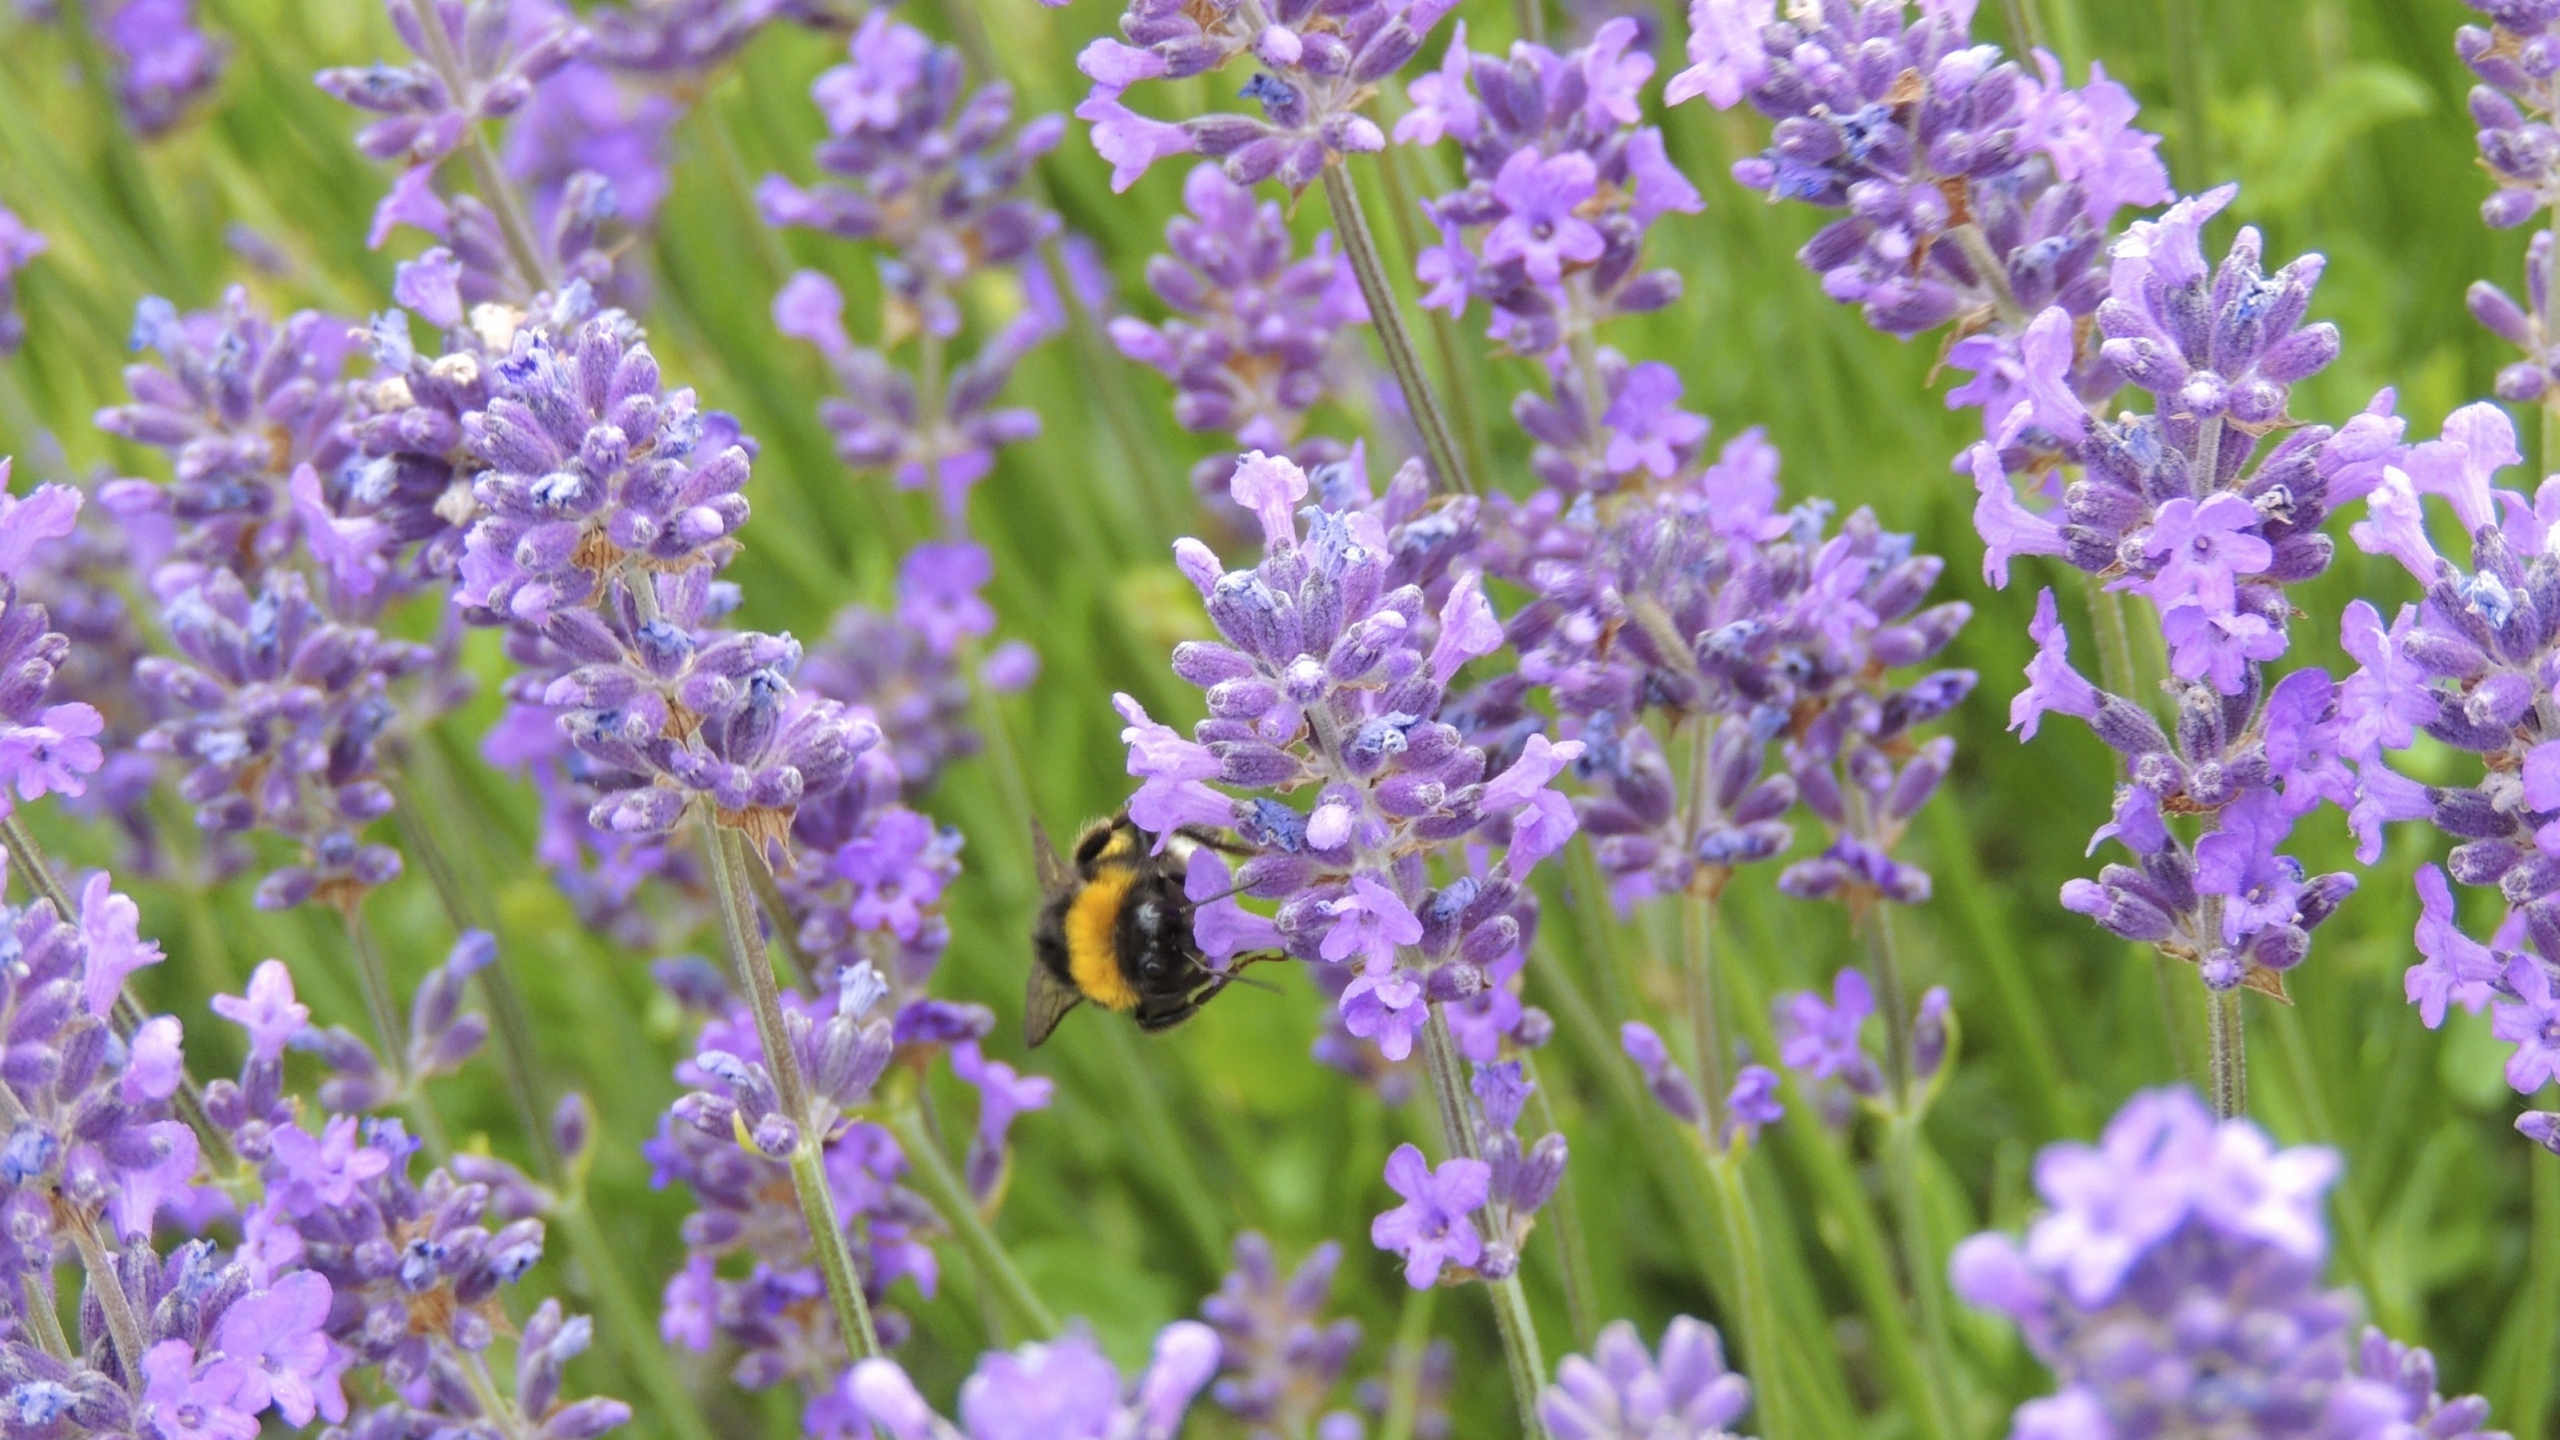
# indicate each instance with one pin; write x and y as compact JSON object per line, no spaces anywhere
{"x":2026,"y":30}
{"x":1360,"y":246}
{"x":2187,"y":91}
{"x":496,"y":192}
{"x":44,"y":1313}
{"x":1519,"y":1329}
{"x":2230,"y":1056}
{"x":1564,"y":1221}
{"x":124,"y":1329}
{"x":732,"y":166}
{"x":1760,"y":1327}
{"x":644,"y":1354}
{"x":777,"y":914}
{"x":1444,"y":331}
{"x":1885,"y":958}
{"x":373,"y":977}
{"x":727,"y":860}
{"x":2528,"y":1404}
{"x":133,"y":187}
{"x":28,"y":859}
{"x":1706,"y":1035}
{"x":1531,"y":18}
{"x":1404,"y":1365}
{"x":517,"y":1055}
{"x":932,"y":1172}
{"x":1921,"y":1265}
{"x":844,"y":1283}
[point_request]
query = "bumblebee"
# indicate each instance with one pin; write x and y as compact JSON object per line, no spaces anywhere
{"x":1115,"y":929}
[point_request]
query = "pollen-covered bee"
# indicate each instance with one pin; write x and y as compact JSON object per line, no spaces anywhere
{"x":1115,"y":929}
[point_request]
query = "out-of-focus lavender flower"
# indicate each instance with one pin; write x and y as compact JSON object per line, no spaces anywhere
{"x":932,"y":174}
{"x":164,"y":62}
{"x":478,"y":63}
{"x":20,"y":243}
{"x":583,"y":118}
{"x":1063,"y":1389}
{"x":1280,"y":1362}
{"x":2174,"y":1286}
{"x":47,"y":745}
{"x":1624,"y":1392}
{"x":1316,"y":67}
{"x":2513,"y":107}
{"x":1974,"y":191}
{"x":1562,"y":184}
{"x":1251,"y":346}
{"x":880,"y":665}
{"x":681,"y":40}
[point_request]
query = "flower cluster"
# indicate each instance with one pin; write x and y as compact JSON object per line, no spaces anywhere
{"x":1701,"y":601}
{"x":2468,"y":666}
{"x":1251,"y":346}
{"x":1279,"y":1361}
{"x":473,"y":63}
{"x":1332,"y":671}
{"x":20,"y":243}
{"x":164,"y":61}
{"x":1316,"y":67}
{"x":1826,"y":1042}
{"x":45,"y":748}
{"x":1974,"y":192}
{"x":1475,"y":1211}
{"x":2174,"y":1287}
{"x":1562,"y":182}
{"x":1625,"y":1392}
{"x":1063,"y":1389}
{"x":932,"y":175}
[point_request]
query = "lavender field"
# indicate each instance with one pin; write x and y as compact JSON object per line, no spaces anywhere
{"x":1280,"y":719}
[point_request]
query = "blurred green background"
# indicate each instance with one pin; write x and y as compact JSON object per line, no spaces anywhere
{"x":2342,"y":119}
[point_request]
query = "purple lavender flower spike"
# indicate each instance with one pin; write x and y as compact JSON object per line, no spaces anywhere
{"x":2463,"y":667}
{"x":1064,"y":1389}
{"x":1822,"y":1040}
{"x":20,"y":244}
{"x":2181,"y":1237}
{"x":932,"y":174}
{"x":2513,"y":109}
{"x":164,"y":62}
{"x":1562,"y":184}
{"x":2001,"y":184}
{"x":584,"y":120}
{"x":1280,"y":1362}
{"x":681,"y":40}
{"x":1624,"y":1392}
{"x":1251,"y":345}
{"x":1314,"y":71}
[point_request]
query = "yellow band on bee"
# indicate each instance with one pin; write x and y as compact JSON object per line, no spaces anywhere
{"x":1092,"y":957}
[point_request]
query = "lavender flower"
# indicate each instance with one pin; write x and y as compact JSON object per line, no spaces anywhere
{"x":1251,"y":347}
{"x":932,"y":176}
{"x":164,"y":63}
{"x":44,"y":748}
{"x":2464,"y":666}
{"x":1064,"y":1389}
{"x":1433,"y":1229}
{"x":1316,"y":68}
{"x":1625,"y":1393}
{"x":2174,"y":1287}
{"x":1562,"y":184}
{"x":20,"y":244}
{"x":1975,"y":192}
{"x":2513,"y":108}
{"x":681,"y":39}
{"x":1279,"y":1362}
{"x":1332,"y":670}
{"x":478,"y":64}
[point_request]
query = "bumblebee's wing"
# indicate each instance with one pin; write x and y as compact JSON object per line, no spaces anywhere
{"x":1053,"y":872}
{"x":1047,"y":1003}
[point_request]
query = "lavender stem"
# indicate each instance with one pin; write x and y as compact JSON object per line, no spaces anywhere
{"x":41,"y":1309}
{"x":1519,"y":1329}
{"x":1564,"y":1220}
{"x":27,"y":858}
{"x":2230,"y":1061}
{"x":2026,"y":29}
{"x":485,"y":170}
{"x":1759,"y":1307}
{"x":933,"y":1174}
{"x":373,"y":977}
{"x":1404,"y":1365}
{"x":516,"y":1053}
{"x":124,"y":1331}
{"x":1920,"y":1261}
{"x":1360,"y":245}
{"x":727,"y":860}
